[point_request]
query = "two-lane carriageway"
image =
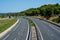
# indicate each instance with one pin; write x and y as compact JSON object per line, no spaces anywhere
{"x":46,"y":31}
{"x":19,"y":32}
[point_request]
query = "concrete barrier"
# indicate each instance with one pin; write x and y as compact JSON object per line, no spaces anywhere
{"x":7,"y":30}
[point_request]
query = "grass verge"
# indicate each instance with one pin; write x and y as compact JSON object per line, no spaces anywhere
{"x":4,"y":24}
{"x":31,"y":23}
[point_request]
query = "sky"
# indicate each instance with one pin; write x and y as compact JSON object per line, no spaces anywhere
{"x":21,"y":5}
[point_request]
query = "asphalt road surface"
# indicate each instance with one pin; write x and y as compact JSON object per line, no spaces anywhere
{"x":20,"y":32}
{"x":47,"y":30}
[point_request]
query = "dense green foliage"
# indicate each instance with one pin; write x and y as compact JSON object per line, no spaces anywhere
{"x":45,"y":11}
{"x":57,"y":20}
{"x":3,"y":15}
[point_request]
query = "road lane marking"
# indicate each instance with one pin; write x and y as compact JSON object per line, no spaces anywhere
{"x":54,"y":28}
{"x":48,"y":30}
{"x":28,"y":31}
{"x":15,"y":39}
{"x":9,"y":29}
{"x":52,"y":34}
{"x":51,"y":26}
{"x":17,"y":26}
{"x":6,"y":37}
{"x":39,"y":31}
{"x":18,"y":33}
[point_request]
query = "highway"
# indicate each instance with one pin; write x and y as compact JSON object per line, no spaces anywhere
{"x":46,"y":31}
{"x":22,"y":31}
{"x":19,"y":32}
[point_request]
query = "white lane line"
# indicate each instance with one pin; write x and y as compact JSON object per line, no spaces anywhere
{"x":51,"y":26}
{"x":15,"y":39}
{"x":54,"y":28}
{"x":9,"y":29}
{"x":18,"y":33}
{"x":39,"y":31}
{"x":48,"y":30}
{"x":17,"y":26}
{"x":52,"y":34}
{"x":28,"y":31}
{"x":6,"y":37}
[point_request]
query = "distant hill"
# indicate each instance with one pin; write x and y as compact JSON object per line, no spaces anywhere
{"x":46,"y":11}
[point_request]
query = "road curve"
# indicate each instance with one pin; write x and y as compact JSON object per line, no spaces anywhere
{"x":47,"y":30}
{"x":19,"y":32}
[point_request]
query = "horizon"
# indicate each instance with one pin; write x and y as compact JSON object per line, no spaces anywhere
{"x":21,"y":5}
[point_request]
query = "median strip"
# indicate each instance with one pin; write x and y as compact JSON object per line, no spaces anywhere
{"x":34,"y":36}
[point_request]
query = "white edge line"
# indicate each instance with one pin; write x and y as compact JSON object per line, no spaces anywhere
{"x":17,"y":26}
{"x":39,"y":31}
{"x":28,"y":31}
{"x":5,"y":37}
{"x":7,"y":30}
{"x":15,"y":39}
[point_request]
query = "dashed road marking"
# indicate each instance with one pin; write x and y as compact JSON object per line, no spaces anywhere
{"x":39,"y":31}
{"x":15,"y":39}
{"x":6,"y":37}
{"x":54,"y":28}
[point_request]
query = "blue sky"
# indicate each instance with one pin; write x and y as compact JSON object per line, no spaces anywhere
{"x":20,"y":5}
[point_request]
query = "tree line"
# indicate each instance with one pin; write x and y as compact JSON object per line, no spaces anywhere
{"x":46,"y":11}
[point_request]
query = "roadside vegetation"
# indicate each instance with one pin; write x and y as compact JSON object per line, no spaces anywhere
{"x":31,"y":23}
{"x":57,"y":20}
{"x":46,"y":11}
{"x":3,"y":15}
{"x":4,"y":24}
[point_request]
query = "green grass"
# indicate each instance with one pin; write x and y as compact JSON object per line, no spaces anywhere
{"x":31,"y":23}
{"x":4,"y":24}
